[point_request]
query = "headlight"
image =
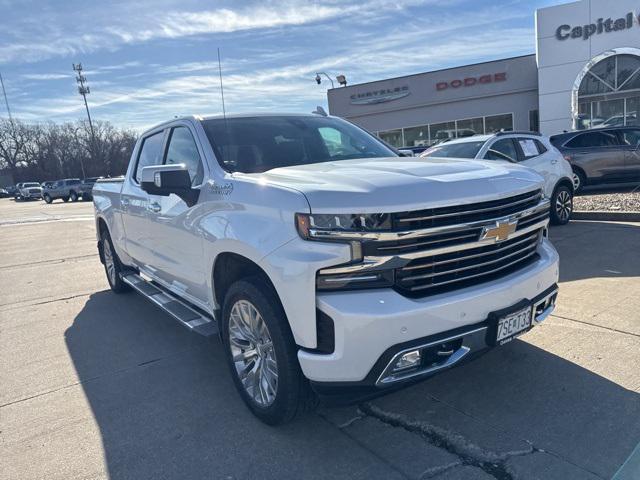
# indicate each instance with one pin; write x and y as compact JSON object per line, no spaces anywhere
{"x":352,"y":229}
{"x":338,"y":226}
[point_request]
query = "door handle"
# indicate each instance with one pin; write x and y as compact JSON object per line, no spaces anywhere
{"x":154,"y":207}
{"x":554,"y":161}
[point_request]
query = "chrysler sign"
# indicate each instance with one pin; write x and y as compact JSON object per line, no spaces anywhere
{"x":380,"y":96}
{"x":564,"y":32}
{"x":471,"y":81}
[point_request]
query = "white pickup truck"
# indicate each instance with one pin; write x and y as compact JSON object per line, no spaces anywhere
{"x":327,"y":263}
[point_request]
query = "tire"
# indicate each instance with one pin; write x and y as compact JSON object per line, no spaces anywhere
{"x":112,"y":266}
{"x":561,"y":205}
{"x":65,"y":199}
{"x":579,"y":180}
{"x":73,"y":196}
{"x":47,"y":198}
{"x":275,"y":400}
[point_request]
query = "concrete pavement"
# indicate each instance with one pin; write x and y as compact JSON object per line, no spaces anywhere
{"x":94,"y":385}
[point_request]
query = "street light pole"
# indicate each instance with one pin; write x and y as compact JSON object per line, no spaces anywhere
{"x":318,"y":80}
{"x":84,"y":91}
{"x":6,"y":102}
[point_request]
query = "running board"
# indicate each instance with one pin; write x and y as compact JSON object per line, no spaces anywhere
{"x":186,"y":314}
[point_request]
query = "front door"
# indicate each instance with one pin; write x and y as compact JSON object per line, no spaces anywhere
{"x":631,"y":142}
{"x":174,"y":226}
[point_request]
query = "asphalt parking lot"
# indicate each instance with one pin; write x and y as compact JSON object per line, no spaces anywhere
{"x":94,"y":385}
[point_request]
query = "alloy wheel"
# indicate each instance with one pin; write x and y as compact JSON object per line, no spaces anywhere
{"x":576,"y":182}
{"x":252,"y":352}
{"x":564,"y":205}
{"x":109,"y":261}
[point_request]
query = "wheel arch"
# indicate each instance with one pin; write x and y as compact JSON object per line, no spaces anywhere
{"x":564,"y":182}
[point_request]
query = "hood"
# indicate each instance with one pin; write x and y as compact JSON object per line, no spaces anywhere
{"x":385,"y":185}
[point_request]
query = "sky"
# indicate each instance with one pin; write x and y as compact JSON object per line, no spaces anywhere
{"x":148,"y":61}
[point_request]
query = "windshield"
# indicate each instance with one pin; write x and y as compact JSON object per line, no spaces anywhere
{"x":25,"y":185}
{"x":454,"y":150}
{"x":258,"y":144}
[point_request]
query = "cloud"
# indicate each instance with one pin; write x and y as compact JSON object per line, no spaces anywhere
{"x":45,"y":76}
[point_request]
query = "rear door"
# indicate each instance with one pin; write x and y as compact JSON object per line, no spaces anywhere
{"x":174,"y":226}
{"x":502,"y":149}
{"x":533,"y":154}
{"x":598,"y":153}
{"x":136,"y":214}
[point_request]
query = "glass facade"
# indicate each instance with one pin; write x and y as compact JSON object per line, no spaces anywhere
{"x":426,"y":135}
{"x":609,"y":94}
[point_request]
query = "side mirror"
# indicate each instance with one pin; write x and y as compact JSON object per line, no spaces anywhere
{"x":164,"y":180}
{"x":406,"y":153}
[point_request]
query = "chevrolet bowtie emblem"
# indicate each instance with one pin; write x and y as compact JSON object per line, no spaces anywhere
{"x":500,"y":231}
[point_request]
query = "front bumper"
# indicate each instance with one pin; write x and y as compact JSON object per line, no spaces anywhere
{"x":371,"y":327}
{"x":32,"y":195}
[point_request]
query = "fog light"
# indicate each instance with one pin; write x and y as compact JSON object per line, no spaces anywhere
{"x":408,"y":360}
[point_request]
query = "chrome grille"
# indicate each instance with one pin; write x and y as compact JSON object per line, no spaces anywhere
{"x":466,"y":245}
{"x":437,"y":273}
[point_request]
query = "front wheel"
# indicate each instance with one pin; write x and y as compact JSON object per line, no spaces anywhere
{"x":262,"y":354}
{"x":561,"y":205}
{"x":579,"y":181}
{"x":47,"y":199}
{"x":74,"y":197}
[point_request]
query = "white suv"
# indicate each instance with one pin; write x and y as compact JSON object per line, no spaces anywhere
{"x":525,"y":148}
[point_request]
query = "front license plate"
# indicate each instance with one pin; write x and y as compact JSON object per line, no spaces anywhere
{"x":511,"y":325}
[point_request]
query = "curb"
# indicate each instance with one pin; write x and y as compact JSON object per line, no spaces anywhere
{"x":607,"y":216}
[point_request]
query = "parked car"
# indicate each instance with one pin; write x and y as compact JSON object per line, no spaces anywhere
{"x":28,"y":191}
{"x":4,"y":193}
{"x":86,"y":186}
{"x":524,"y":148}
{"x":67,"y":189}
{"x":325,"y":270}
{"x":601,"y":155}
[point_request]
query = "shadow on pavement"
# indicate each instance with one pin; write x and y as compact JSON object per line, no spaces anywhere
{"x":166,"y":406}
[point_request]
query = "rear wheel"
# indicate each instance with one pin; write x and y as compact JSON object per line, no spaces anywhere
{"x":561,"y":205}
{"x":112,"y":266}
{"x":74,"y":197}
{"x":262,"y":354}
{"x":65,"y":199}
{"x":579,"y":180}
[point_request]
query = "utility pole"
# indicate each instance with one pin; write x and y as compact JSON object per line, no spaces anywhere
{"x":84,"y":91}
{"x":6,"y":102}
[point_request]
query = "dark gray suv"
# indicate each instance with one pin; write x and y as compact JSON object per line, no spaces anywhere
{"x":601,"y":155}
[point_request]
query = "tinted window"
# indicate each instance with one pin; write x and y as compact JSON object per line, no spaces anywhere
{"x":630,"y":137}
{"x":258,"y":144}
{"x":183,"y":149}
{"x":531,"y":147}
{"x":73,"y":182}
{"x":503,"y":149}
{"x":454,"y":150}
{"x":593,"y":139}
{"x":150,"y":153}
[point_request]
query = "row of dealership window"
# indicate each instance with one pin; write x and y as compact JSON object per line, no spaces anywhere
{"x":426,"y":135}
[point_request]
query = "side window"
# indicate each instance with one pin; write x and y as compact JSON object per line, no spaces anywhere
{"x":503,"y":149}
{"x":150,"y":153}
{"x":630,"y":137}
{"x":593,"y":139}
{"x":541,"y":148}
{"x":183,"y":149}
{"x":529,"y":148}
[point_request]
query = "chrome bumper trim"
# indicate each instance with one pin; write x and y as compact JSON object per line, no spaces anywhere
{"x":472,"y":341}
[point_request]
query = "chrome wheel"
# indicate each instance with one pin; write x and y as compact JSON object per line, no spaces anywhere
{"x":564,"y":205}
{"x":109,"y":261}
{"x":252,"y":352}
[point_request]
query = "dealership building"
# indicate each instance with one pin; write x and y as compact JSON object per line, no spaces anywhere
{"x":585,"y":73}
